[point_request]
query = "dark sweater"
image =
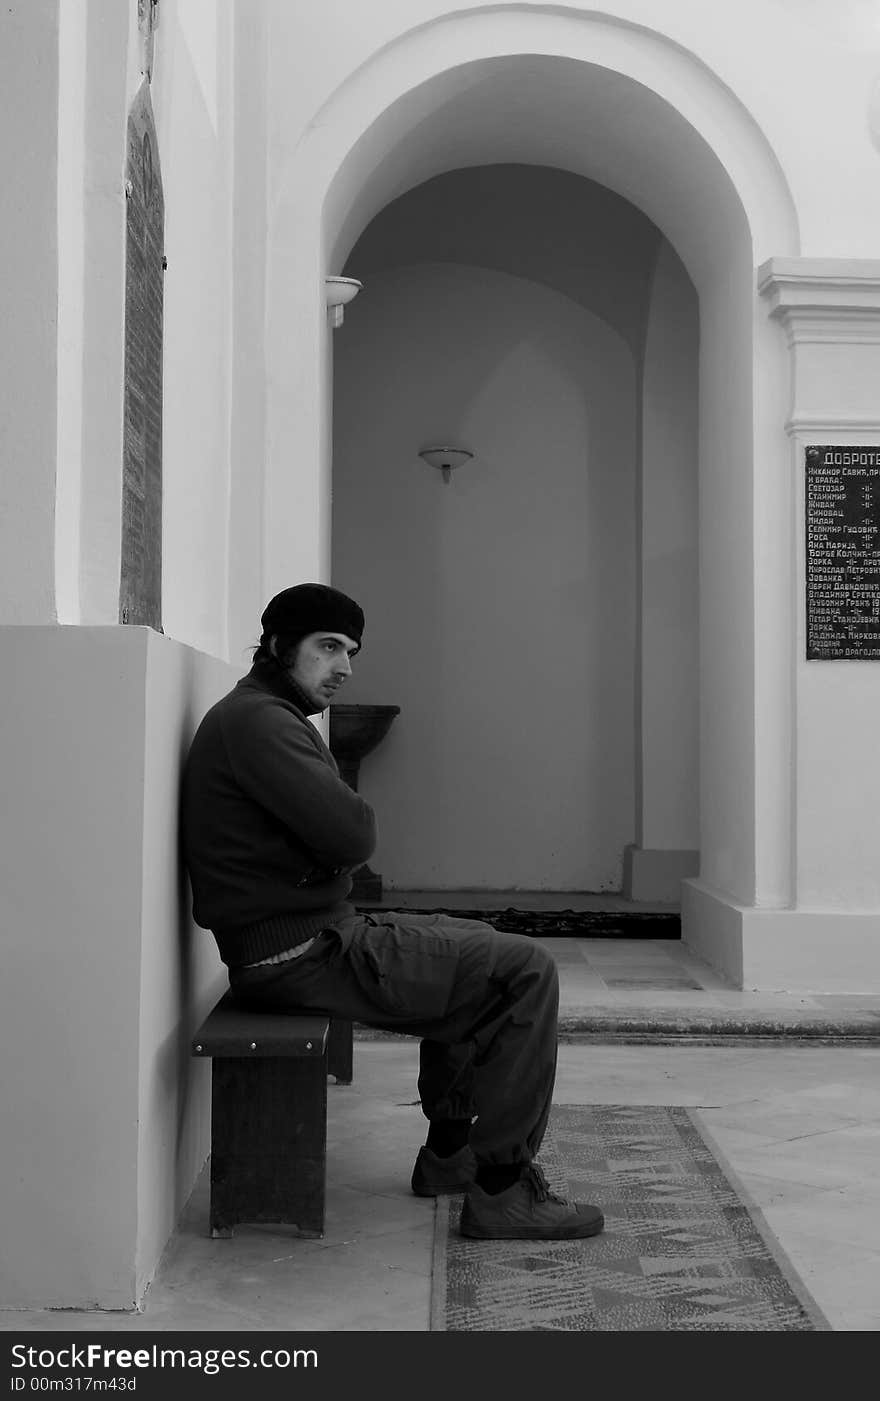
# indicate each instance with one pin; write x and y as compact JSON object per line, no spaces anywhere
{"x":270,"y":830}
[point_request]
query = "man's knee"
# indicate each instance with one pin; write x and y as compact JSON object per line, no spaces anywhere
{"x":548,"y":967}
{"x":516,"y":955}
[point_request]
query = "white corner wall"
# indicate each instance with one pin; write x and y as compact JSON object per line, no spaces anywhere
{"x":70,"y":870}
{"x":180,"y":970}
{"x":500,"y":607}
{"x":105,"y":1118}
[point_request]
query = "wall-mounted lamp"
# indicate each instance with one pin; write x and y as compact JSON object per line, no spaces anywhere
{"x":338,"y":292}
{"x":445,"y":459}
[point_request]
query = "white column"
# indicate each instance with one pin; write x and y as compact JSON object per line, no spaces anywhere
{"x":667,"y":845}
{"x":828,"y":937}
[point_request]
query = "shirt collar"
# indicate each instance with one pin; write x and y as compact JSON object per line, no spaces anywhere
{"x":271,"y":677}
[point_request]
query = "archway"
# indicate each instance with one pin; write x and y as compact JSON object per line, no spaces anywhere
{"x":548,"y":735}
{"x":624,"y":107}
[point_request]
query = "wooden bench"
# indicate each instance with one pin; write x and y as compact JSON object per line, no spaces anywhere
{"x":269,"y":1112}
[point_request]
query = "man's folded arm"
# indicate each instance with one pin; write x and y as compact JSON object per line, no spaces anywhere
{"x":281,"y":768}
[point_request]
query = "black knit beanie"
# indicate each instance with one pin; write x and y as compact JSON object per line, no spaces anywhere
{"x":313,"y":608}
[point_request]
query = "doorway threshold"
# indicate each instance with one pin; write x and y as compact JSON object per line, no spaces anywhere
{"x":547,"y":914}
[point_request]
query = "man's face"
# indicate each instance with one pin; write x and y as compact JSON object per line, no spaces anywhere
{"x":321,"y":664}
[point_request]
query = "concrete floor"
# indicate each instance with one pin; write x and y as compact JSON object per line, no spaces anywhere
{"x":798,"y":1118}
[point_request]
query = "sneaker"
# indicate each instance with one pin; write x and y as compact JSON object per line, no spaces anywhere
{"x":527,"y":1211}
{"x":437,"y":1177}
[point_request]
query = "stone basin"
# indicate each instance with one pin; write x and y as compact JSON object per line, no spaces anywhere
{"x":355,"y":730}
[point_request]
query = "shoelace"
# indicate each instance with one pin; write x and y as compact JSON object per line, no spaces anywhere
{"x":541,"y":1187}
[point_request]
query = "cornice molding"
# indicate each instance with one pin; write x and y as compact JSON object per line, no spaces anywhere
{"x":826,"y":299}
{"x":830,"y":422}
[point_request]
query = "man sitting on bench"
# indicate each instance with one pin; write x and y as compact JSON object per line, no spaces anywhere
{"x":271,"y":837}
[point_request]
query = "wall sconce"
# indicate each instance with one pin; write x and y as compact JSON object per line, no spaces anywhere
{"x":338,"y":292}
{"x":445,"y":459}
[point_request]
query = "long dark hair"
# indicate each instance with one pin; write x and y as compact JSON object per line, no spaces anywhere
{"x":286,"y":644}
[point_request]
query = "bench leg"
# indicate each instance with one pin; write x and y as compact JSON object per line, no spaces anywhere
{"x":340,"y":1051}
{"x":268,"y":1142}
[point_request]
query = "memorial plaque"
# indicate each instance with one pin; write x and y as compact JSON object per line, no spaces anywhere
{"x":843,"y":553}
{"x":140,"y":590}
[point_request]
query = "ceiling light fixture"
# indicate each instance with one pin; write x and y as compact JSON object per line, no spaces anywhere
{"x":445,"y":459}
{"x":338,"y":292}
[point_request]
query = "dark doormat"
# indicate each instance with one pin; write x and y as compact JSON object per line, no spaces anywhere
{"x":571,"y":924}
{"x":683,"y":1248}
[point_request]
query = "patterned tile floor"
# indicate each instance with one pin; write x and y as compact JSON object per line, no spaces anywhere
{"x":799,"y":1121}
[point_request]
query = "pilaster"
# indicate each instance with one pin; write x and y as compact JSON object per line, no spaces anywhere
{"x":830,"y":311}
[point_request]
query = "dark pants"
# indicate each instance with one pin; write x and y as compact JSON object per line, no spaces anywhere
{"x":483,"y":1003}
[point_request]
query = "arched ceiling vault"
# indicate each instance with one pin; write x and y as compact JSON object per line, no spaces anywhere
{"x":667,"y":136}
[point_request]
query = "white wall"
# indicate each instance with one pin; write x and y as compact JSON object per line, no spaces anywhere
{"x":29,"y":64}
{"x":71,"y":879}
{"x":500,"y":608}
{"x":195,"y":104}
{"x":246,"y":586}
{"x":72,"y":65}
{"x":804,"y":74}
{"x":534,"y":221}
{"x":105,"y":1117}
{"x":727,"y":583}
{"x":192,"y":94}
{"x":180,"y":970}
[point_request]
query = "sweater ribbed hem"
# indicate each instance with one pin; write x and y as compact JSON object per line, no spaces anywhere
{"x":276,"y":935}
